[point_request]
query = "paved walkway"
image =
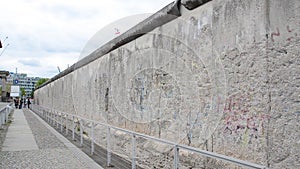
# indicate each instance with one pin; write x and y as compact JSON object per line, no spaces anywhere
{"x":19,"y":136}
{"x":31,"y":143}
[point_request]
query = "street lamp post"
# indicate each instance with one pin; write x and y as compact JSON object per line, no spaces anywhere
{"x":4,"y":49}
{"x":5,"y":46}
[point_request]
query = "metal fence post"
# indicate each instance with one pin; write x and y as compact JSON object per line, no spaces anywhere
{"x":73,"y":128}
{"x":47,"y":116}
{"x":3,"y":118}
{"x":92,"y":143}
{"x":133,"y":148}
{"x":81,"y":133}
{"x":53,"y":118}
{"x":45,"y":112}
{"x":56,"y":119}
{"x":61,"y":122}
{"x":0,"y":119}
{"x":50,"y":118}
{"x":108,"y":146}
{"x":6,"y":114}
{"x":66,"y":124}
{"x":176,"y":159}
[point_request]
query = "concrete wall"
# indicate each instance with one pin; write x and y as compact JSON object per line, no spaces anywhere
{"x":223,"y":77}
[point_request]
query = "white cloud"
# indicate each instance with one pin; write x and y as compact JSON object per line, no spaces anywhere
{"x":30,"y":62}
{"x":44,"y":34}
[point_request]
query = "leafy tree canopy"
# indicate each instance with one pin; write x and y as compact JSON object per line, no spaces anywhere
{"x":23,"y":93}
{"x":40,"y":82}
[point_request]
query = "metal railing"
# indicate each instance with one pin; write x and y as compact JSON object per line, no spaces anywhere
{"x":55,"y":117}
{"x":4,"y":113}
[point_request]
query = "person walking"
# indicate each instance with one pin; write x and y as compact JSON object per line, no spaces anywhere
{"x":21,"y":103}
{"x":17,"y":103}
{"x":28,"y":103}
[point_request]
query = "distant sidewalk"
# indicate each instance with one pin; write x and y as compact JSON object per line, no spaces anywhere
{"x":31,"y":143}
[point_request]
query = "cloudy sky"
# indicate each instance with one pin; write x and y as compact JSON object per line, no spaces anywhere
{"x":46,"y":34}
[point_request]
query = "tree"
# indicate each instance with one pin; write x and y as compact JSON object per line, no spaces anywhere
{"x":32,"y":94}
{"x":23,"y":93}
{"x":8,"y":87}
{"x":40,"y":82}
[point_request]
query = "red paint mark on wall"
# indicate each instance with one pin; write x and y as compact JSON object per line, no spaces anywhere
{"x":288,"y":30}
{"x":117,"y":31}
{"x":275,"y":34}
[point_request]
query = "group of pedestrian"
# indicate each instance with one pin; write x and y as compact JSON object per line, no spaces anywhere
{"x":19,"y":103}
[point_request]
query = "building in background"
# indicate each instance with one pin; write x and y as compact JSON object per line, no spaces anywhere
{"x":3,"y":88}
{"x":21,"y":79}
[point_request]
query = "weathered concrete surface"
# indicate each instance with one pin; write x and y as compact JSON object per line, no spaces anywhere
{"x":223,"y":77}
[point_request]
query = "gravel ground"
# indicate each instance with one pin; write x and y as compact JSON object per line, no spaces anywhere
{"x":41,"y":159}
{"x":52,"y":153}
{"x":3,"y":131}
{"x":43,"y":137}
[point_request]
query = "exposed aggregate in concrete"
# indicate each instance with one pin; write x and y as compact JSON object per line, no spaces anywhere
{"x":42,"y":159}
{"x":44,"y":138}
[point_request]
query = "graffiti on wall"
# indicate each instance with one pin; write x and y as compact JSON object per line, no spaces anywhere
{"x":291,"y":33}
{"x":241,"y":120}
